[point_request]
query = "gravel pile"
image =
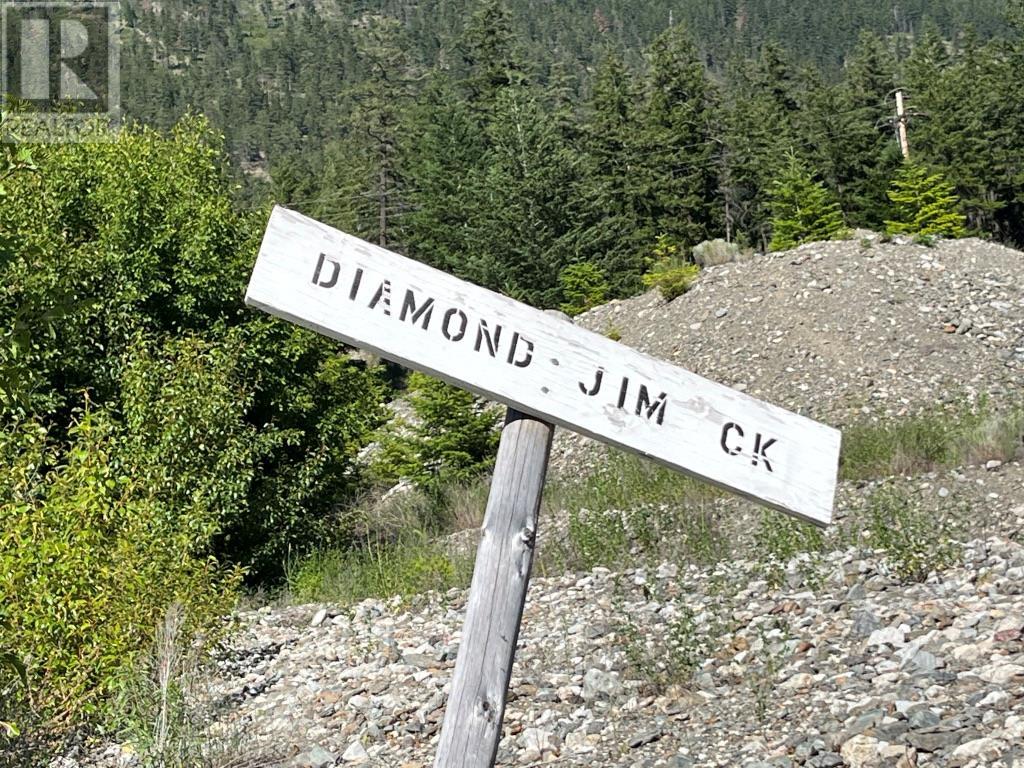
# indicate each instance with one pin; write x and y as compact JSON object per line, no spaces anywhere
{"x":841,"y":331}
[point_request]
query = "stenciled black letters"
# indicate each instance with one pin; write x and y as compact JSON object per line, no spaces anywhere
{"x":725,"y":438}
{"x":333,"y":279}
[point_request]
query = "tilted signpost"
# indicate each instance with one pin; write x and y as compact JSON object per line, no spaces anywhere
{"x":548,"y":371}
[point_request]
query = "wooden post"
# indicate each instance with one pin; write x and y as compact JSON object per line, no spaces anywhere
{"x":476,"y":705}
{"x":901,"y":125}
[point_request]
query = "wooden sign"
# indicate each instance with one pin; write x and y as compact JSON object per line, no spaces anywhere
{"x":429,"y":321}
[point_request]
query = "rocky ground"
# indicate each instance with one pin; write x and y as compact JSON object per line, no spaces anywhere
{"x":840,"y":664}
{"x":826,"y":659}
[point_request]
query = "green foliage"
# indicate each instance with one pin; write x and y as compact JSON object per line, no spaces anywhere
{"x":613,"y":332}
{"x":13,"y":688}
{"x":915,"y":542}
{"x":924,"y":204}
{"x":781,"y":538}
{"x":802,"y":208}
{"x":161,"y":438}
{"x":133,"y":246}
{"x":92,"y":556}
{"x":598,"y":538}
{"x":628,"y":507}
{"x":583,"y":287}
{"x":673,"y":655}
{"x":669,"y":272}
{"x":410,"y":565}
{"x":452,"y":440}
{"x":930,"y":441}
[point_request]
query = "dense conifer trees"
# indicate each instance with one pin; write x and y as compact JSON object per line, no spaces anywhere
{"x":508,"y":141}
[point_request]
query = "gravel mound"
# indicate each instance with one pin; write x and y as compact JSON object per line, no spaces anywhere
{"x":841,"y":331}
{"x":837,"y":330}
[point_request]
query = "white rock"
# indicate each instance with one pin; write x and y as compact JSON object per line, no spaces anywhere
{"x":538,"y":740}
{"x":985,"y":749}
{"x":798,"y":682}
{"x":998,"y":673}
{"x":355,"y":753}
{"x":893,"y":636}
{"x":860,"y":751}
{"x":598,"y":683}
{"x":318,"y":618}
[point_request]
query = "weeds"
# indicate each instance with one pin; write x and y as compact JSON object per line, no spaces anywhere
{"x":409,"y":565}
{"x":162,"y":712}
{"x":770,"y":648}
{"x":931,"y":441}
{"x":780,"y":539}
{"x":647,"y":511}
{"x":669,"y":660}
{"x":916,"y":543}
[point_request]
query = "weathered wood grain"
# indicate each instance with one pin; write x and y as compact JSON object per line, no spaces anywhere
{"x":501,"y":575}
{"x":422,"y":318}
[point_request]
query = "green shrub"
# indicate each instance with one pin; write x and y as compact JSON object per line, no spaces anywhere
{"x":803,"y":210}
{"x":924,"y":205}
{"x":138,"y":238}
{"x":583,"y":287}
{"x":668,"y":271}
{"x":13,"y":688}
{"x":453,"y":440}
{"x":92,"y":556}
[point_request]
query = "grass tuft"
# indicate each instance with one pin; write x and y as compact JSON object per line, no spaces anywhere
{"x":931,"y":441}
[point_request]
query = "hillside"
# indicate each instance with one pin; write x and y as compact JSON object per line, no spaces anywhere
{"x":895,"y":640}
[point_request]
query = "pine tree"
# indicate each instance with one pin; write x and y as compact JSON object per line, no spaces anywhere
{"x":518,"y":224}
{"x":754,"y":126}
{"x":441,"y":157}
{"x":606,"y":231}
{"x":675,"y":175}
{"x":866,"y":152}
{"x":924,"y":204}
{"x":803,"y":210}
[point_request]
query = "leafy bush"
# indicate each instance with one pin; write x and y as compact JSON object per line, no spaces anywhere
{"x":126,"y":250}
{"x":158,"y":437}
{"x":92,"y":556}
{"x":669,"y":272}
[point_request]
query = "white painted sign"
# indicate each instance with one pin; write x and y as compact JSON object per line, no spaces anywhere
{"x":405,"y":311}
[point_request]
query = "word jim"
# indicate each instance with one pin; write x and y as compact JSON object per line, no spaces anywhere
{"x":644,"y":405}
